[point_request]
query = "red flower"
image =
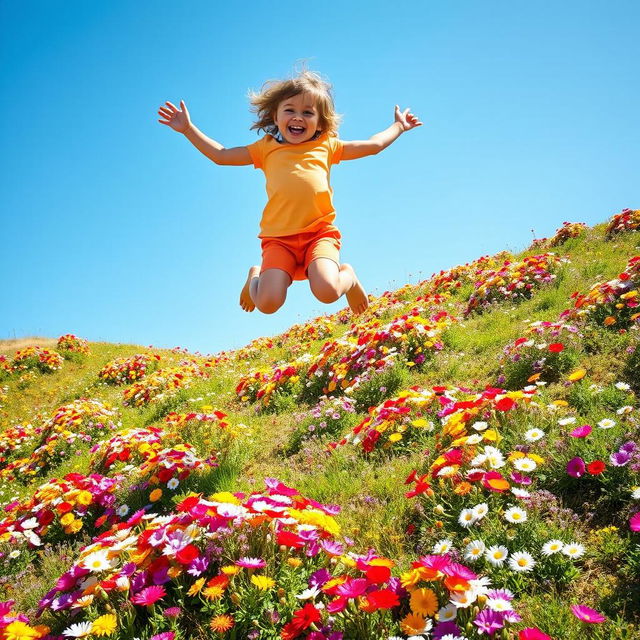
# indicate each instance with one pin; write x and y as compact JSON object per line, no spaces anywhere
{"x":556,"y":347}
{"x":505,"y":404}
{"x":382,"y":599}
{"x":596,"y":467}
{"x":188,"y":554}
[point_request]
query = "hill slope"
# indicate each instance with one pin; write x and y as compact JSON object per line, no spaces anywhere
{"x":351,"y":477}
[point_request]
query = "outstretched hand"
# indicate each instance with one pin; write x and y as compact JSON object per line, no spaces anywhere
{"x":406,"y":119}
{"x":177,"y":119}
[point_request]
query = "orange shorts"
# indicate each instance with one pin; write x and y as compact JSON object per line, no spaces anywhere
{"x":295,"y":253}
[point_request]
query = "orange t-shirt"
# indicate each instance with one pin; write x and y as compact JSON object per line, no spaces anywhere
{"x":297,"y":183}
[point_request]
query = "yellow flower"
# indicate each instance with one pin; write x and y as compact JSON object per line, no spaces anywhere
{"x":213,"y":592}
{"x":19,"y":631}
{"x":491,"y":435}
{"x":155,"y":495}
{"x":410,"y":578}
{"x":195,"y":587}
{"x":424,"y":601}
{"x":578,"y":374}
{"x":263,"y":583}
{"x":84,"y":497}
{"x":395,"y":437}
{"x":230,"y":570}
{"x":67,"y":519}
{"x":104,"y":625}
{"x":294,"y":562}
{"x":224,"y":496}
{"x":74,"y":527}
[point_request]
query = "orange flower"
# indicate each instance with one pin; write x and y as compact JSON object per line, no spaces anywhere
{"x":609,"y":320}
{"x":222,"y":623}
{"x":155,"y":495}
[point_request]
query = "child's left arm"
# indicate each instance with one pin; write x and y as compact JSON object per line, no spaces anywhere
{"x":404,"y":120}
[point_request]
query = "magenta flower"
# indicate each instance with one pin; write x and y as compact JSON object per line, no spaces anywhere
{"x":581,"y":432}
{"x":532,"y":633}
{"x":166,"y":635}
{"x":251,"y":563}
{"x":576,"y":467}
{"x":353,"y":588}
{"x":489,"y":621}
{"x":149,"y":595}
{"x":634,"y":522}
{"x":620,"y":458}
{"x":587,"y":614}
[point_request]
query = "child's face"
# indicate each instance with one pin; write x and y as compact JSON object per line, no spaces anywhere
{"x":297,"y":118}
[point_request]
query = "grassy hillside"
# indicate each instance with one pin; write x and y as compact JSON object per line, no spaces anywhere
{"x":462,"y":460}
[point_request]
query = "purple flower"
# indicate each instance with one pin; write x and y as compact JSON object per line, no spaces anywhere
{"x":445,"y":628}
{"x":198,"y":566}
{"x":629,"y":447}
{"x":319,"y":578}
{"x":576,"y":467}
{"x":489,"y":621}
{"x":620,"y":458}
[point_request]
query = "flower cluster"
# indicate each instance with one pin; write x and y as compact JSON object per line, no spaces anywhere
{"x":396,"y":422}
{"x":613,"y":303}
{"x":127,"y":370}
{"x":37,"y":358}
{"x":161,"y":384}
{"x":626,"y":220}
{"x":70,"y":342}
{"x":60,"y":508}
{"x":549,"y":350}
{"x":513,"y":281}
{"x":566,"y":231}
{"x":70,"y":426}
{"x":300,"y":336}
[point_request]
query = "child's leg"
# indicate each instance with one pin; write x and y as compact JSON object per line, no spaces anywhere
{"x":328,"y":282}
{"x":266,"y":290}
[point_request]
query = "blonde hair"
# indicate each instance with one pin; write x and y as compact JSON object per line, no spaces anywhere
{"x":265,"y":103}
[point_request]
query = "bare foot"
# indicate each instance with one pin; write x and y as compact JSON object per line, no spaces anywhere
{"x":245,"y":298}
{"x":356,"y":296}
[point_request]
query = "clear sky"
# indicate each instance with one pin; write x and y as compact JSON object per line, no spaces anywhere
{"x":113,"y":227}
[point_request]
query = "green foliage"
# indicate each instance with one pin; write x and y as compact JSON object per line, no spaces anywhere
{"x":380,"y":386}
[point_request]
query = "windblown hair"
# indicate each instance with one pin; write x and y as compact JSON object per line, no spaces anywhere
{"x":273,"y":92}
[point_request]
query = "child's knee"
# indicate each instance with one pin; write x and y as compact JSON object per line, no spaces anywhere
{"x":325,"y":292}
{"x":269,"y":303}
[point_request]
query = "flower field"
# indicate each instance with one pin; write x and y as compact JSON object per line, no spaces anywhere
{"x":462,"y":461}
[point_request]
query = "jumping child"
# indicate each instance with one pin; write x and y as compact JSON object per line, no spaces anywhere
{"x":299,"y":239}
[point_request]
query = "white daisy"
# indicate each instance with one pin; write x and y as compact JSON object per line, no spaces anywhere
{"x":479,"y":426}
{"x":534,"y":434}
{"x":309,"y":594}
{"x":479,"y":460}
{"x":635,"y":493}
{"x":606,"y":423}
{"x":447,"y":613}
{"x":474,"y":550}
{"x":466,"y":518}
{"x":499,"y":604}
{"x":520,"y":493}
{"x":563,"y":422}
{"x":122,"y":510}
{"x":573,"y":550}
{"x":78,"y":630}
{"x":623,"y":386}
{"x":525,"y":464}
{"x":480,"y":585}
{"x":551,"y":547}
{"x":626,"y":409}
{"x":515,"y":515}
{"x":521,"y":561}
{"x":480,"y":510}
{"x":496,"y":555}
{"x":173,"y":483}
{"x":97,"y":561}
{"x":474,"y":439}
{"x":463,"y":599}
{"x":30,"y":523}
{"x":494,"y":457}
{"x":442,"y":547}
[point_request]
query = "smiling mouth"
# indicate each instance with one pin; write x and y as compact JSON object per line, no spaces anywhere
{"x":296,"y":131}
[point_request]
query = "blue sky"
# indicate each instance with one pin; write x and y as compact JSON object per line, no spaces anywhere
{"x":116,"y":229}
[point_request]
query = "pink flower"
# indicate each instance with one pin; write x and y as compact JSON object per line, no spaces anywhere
{"x":576,"y":467}
{"x":586,"y":614}
{"x":251,"y":563}
{"x":581,"y":432}
{"x":532,"y":633}
{"x":353,"y":588}
{"x":149,"y":595}
{"x":634,"y":522}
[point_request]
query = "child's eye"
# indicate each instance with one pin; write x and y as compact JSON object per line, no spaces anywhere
{"x":309,"y":113}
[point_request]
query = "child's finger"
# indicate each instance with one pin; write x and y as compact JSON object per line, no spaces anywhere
{"x":171,"y":106}
{"x":165,"y":112}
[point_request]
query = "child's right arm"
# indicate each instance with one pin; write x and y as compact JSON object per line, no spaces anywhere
{"x":179,"y":120}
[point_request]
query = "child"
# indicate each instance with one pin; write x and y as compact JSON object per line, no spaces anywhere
{"x":299,"y":239}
